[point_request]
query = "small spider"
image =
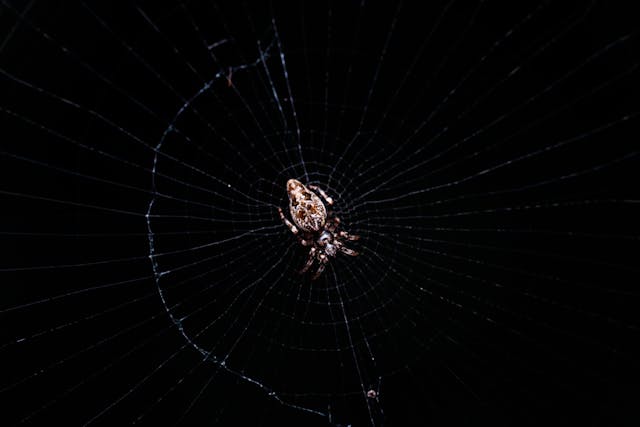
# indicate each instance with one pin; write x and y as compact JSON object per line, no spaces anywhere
{"x":313,"y":226}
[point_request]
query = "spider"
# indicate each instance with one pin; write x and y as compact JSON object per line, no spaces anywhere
{"x":314,"y":226}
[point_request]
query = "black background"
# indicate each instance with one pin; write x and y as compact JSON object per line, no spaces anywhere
{"x":484,"y":301}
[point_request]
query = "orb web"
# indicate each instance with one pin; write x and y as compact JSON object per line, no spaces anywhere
{"x":484,"y":152}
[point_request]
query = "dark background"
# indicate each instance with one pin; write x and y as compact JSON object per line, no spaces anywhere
{"x":507,"y":298}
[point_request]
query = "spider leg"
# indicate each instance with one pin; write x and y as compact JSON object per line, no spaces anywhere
{"x":311,"y":257}
{"x":347,"y":251}
{"x":333,"y":223}
{"x":288,"y":223}
{"x":305,"y":242}
{"x":326,"y":198}
{"x":348,"y":236}
{"x":323,"y":259}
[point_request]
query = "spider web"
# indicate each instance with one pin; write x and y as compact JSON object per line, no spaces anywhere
{"x":486,"y":154}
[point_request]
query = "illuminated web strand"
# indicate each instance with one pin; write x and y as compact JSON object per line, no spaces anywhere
{"x":544,"y":182}
{"x":326,"y":77}
{"x":355,"y":356}
{"x":173,"y":46}
{"x":221,"y":361}
{"x":70,"y":203}
{"x":461,"y":307}
{"x":303,"y":32}
{"x":94,"y":374}
{"x":371,"y":87}
{"x":75,"y":235}
{"x":511,"y":111}
{"x":187,"y":103}
{"x":453,"y":91}
{"x":14,"y":28}
{"x":80,"y":352}
{"x":522,"y":130}
{"x":69,"y":52}
{"x":510,"y":162}
{"x":89,"y":317}
{"x":409,"y":72}
{"x":584,"y":135}
{"x":158,"y":148}
{"x":610,"y":320}
{"x":122,"y":185}
{"x":519,"y":251}
{"x":538,"y":205}
{"x":518,"y":314}
{"x":95,"y":345}
{"x":84,"y":205}
{"x":520,"y":271}
{"x":526,"y":273}
{"x":240,"y":249}
{"x":381,"y":327}
{"x":254,"y":63}
{"x":491,"y":90}
{"x":267,"y":87}
{"x":551,"y":232}
{"x":354,"y":41}
{"x":381,"y":305}
{"x":189,"y":342}
{"x":500,"y":285}
{"x":66,"y":295}
{"x":552,"y":180}
{"x":113,"y":157}
{"x":291,"y":100}
{"x":107,"y":121}
{"x":274,"y":91}
{"x":119,"y":333}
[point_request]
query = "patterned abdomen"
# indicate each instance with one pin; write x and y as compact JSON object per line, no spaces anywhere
{"x":306,"y":208}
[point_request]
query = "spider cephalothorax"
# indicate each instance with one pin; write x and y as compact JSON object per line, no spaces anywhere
{"x":314,"y":226}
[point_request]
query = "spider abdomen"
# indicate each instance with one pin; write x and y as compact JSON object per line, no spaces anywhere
{"x":307,"y":210}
